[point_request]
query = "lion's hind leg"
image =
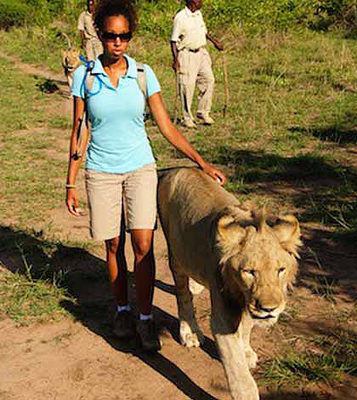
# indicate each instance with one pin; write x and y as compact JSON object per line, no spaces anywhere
{"x":190,"y":333}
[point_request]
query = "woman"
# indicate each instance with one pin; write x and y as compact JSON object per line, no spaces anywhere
{"x":120,"y":164}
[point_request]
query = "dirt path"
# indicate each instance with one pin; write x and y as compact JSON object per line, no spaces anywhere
{"x":78,"y":358}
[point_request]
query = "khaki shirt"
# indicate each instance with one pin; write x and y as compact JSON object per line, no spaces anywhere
{"x":85,"y":23}
{"x":189,"y":31}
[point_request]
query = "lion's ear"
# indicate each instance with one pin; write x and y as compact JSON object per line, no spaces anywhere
{"x":287,"y":230}
{"x":229,"y":231}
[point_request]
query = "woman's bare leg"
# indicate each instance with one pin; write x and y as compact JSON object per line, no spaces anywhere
{"x":142,"y":242}
{"x":117,"y":268}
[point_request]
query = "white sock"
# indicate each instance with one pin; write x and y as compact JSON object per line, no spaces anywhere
{"x":123,"y":308}
{"x":145,"y":317}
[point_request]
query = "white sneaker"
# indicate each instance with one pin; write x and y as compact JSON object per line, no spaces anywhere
{"x":189,"y":124}
{"x":207,"y":120}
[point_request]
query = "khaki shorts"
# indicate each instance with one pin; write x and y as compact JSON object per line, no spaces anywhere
{"x":109,"y":193}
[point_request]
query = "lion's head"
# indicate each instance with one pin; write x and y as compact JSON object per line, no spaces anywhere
{"x":259,"y":261}
{"x":70,"y":59}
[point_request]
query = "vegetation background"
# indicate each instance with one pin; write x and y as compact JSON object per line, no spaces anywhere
{"x":288,"y":140}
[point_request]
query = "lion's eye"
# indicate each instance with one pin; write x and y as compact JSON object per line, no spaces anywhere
{"x":250,"y":272}
{"x":281,"y":270}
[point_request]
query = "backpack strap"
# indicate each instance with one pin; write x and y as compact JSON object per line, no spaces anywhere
{"x":88,"y":84}
{"x":142,"y":82}
{"x":89,"y":78}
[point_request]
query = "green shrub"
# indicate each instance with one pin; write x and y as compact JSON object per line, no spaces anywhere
{"x":156,"y":17}
{"x":12,"y":14}
{"x":53,"y":7}
{"x":254,"y":15}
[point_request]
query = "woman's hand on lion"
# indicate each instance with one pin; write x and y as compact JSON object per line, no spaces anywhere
{"x":73,"y":203}
{"x":214,"y":173}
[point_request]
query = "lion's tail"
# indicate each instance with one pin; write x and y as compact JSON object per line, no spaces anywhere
{"x":69,"y":45}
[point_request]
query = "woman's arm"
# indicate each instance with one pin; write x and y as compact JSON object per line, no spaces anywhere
{"x":173,"y":135}
{"x":75,"y":152}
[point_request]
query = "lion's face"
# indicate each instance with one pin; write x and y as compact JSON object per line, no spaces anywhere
{"x":70,"y":59}
{"x":260,"y":263}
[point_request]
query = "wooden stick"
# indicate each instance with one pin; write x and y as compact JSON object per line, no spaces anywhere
{"x":176,"y":98}
{"x":226,"y":85}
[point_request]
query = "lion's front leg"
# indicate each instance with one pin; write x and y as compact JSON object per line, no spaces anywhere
{"x":190,"y":333}
{"x":231,"y":348}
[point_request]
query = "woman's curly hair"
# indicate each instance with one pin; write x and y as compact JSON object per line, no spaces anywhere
{"x":110,"y":8}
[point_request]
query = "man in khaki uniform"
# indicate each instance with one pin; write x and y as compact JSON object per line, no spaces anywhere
{"x":90,"y":42}
{"x":192,"y":62}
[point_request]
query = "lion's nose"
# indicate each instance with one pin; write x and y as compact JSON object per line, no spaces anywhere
{"x":264,"y":307}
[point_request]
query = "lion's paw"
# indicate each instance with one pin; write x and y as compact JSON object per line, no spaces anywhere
{"x":251,"y":357}
{"x":189,"y":338}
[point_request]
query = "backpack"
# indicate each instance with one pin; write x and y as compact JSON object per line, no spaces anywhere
{"x":88,"y":83}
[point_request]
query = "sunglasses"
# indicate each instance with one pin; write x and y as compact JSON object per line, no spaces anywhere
{"x":112,"y":37}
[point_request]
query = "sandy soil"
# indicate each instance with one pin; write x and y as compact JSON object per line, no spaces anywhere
{"x":78,"y":358}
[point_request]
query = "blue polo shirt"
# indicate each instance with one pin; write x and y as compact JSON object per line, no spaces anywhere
{"x":119,"y":142}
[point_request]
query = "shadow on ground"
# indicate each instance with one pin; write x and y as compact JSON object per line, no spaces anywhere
{"x":334,"y":133}
{"x":85,"y":279}
{"x":342,"y":132}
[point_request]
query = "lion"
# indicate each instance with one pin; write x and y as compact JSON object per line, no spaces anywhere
{"x":70,"y":60}
{"x":246,"y":260}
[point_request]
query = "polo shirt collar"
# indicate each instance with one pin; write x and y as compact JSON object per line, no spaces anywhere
{"x":189,"y":13}
{"x":132,"y":72}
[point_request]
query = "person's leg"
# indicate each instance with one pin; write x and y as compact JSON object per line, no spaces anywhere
{"x":187,"y":82}
{"x":117,"y":268}
{"x":104,"y":193}
{"x":142,"y":241}
{"x":140,"y":189}
{"x":89,"y":50}
{"x":124,"y":326}
{"x":144,"y":267}
{"x":97,"y":48}
{"x":205,"y":84}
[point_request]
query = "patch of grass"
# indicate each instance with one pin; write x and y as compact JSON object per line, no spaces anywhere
{"x":28,"y":171}
{"x":298,"y":369}
{"x":46,"y":275}
{"x":27,"y":300}
{"x":324,"y":287}
{"x":337,"y":355}
{"x":60,"y":122}
{"x":342,"y":346}
{"x":43,"y":47}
